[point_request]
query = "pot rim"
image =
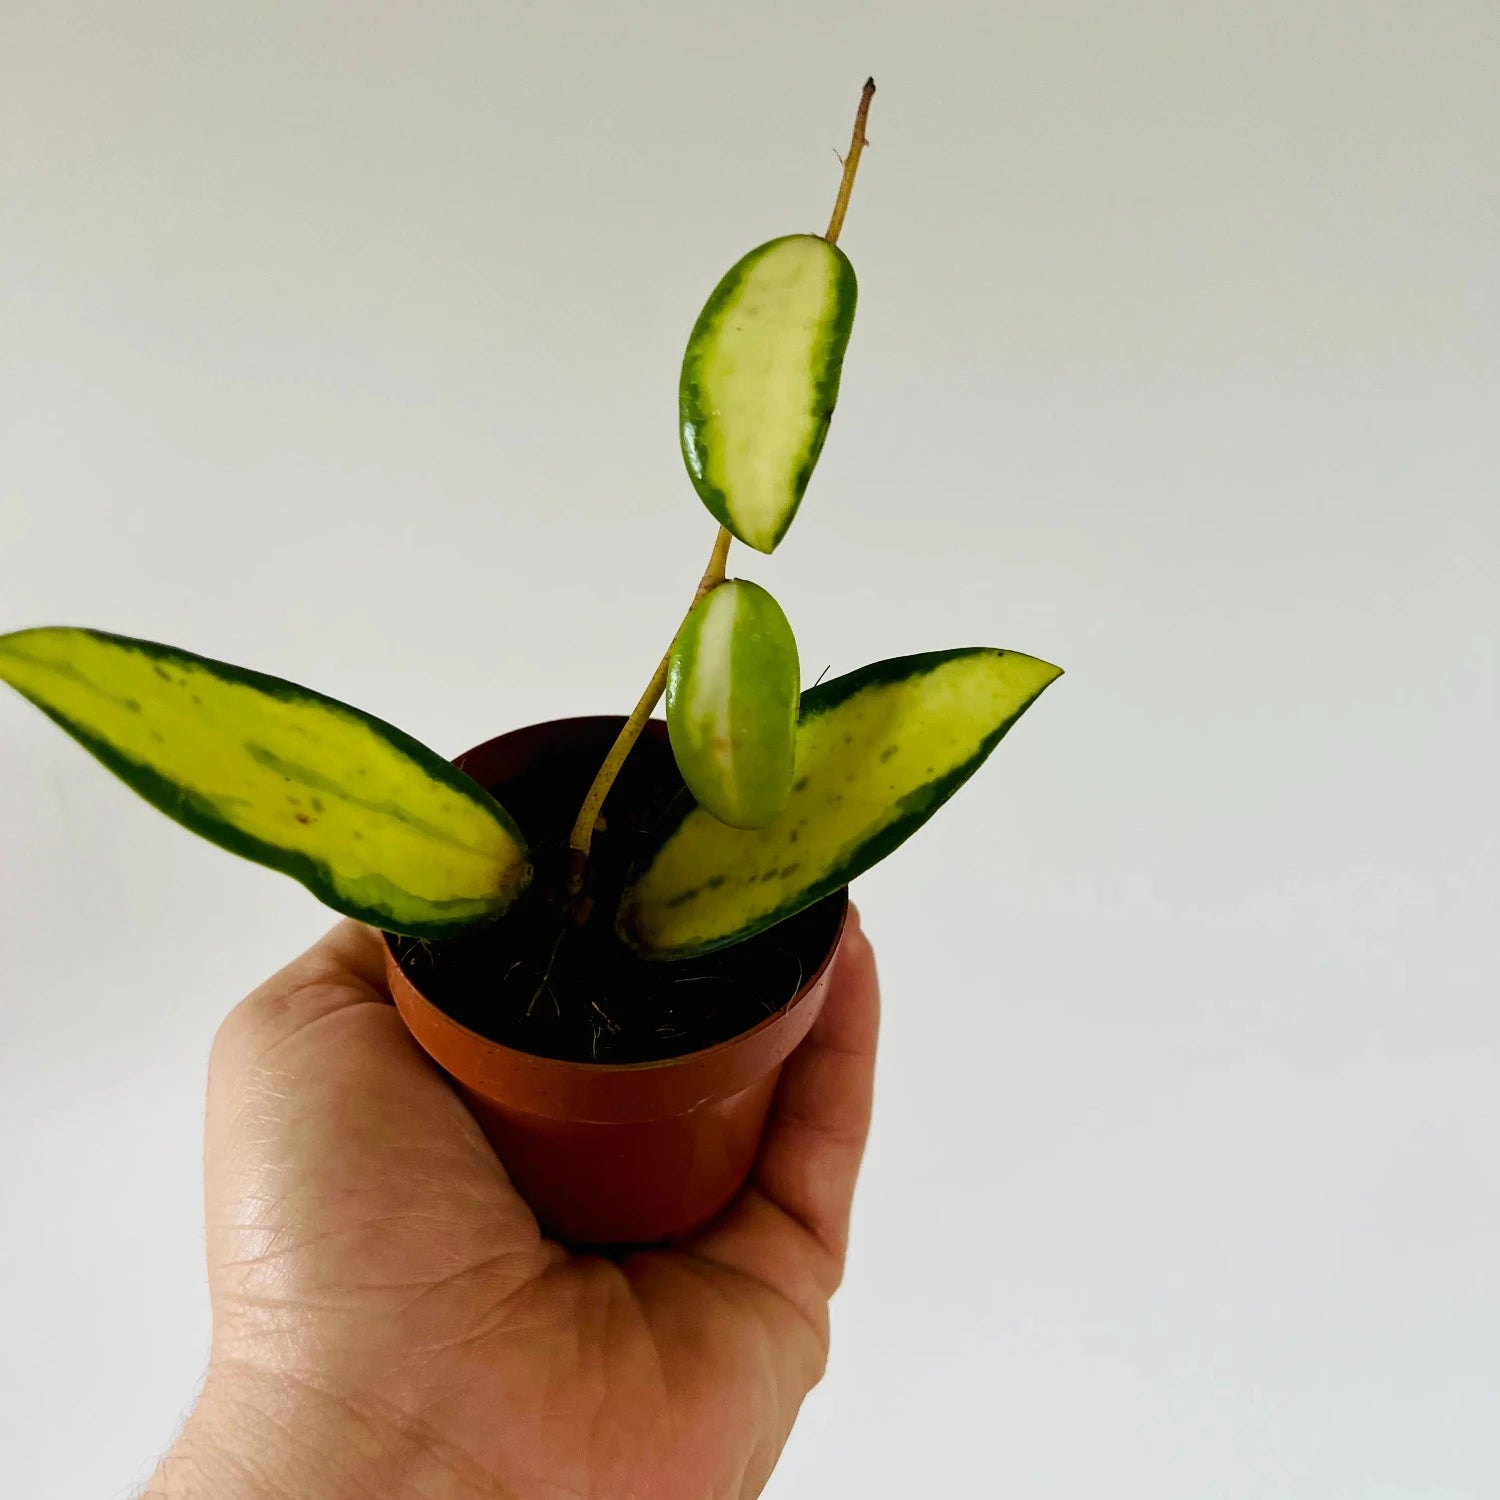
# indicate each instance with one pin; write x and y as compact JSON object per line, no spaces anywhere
{"x":543,"y":1060}
{"x":542,"y":1064}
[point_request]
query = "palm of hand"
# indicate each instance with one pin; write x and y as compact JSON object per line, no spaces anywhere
{"x":389,"y":1317}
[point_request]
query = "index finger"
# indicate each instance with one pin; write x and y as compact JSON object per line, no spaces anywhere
{"x":790,"y":1227}
{"x":815,"y":1139}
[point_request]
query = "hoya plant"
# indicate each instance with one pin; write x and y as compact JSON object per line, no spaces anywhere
{"x":790,"y":794}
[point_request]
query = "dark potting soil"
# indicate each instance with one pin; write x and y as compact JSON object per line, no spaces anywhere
{"x":537,"y":981}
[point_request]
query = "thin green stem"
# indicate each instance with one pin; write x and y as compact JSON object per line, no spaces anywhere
{"x":582,"y":837}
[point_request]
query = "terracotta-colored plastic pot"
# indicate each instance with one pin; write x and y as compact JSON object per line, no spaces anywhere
{"x":613,"y":1154}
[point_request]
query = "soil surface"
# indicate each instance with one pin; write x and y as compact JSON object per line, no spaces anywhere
{"x":537,"y":981}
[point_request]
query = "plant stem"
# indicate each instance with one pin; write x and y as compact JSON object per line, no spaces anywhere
{"x":580,"y":840}
{"x":851,"y":163}
{"x":582,"y":837}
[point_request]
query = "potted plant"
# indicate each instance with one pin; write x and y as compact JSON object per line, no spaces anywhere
{"x":609,"y":933}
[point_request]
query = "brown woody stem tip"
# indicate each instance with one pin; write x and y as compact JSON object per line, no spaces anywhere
{"x":857,"y":145}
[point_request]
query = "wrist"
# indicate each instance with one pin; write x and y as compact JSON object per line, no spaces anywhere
{"x":218,"y":1453}
{"x":256,"y":1435}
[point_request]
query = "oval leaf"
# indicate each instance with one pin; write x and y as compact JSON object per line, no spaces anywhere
{"x":732,"y":704}
{"x":373,"y":823}
{"x":878,"y":752}
{"x":759,"y":382}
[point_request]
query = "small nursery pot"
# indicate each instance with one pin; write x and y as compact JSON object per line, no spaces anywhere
{"x":614,"y":1153}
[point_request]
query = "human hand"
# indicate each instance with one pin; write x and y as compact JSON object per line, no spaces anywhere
{"x":389,"y":1321}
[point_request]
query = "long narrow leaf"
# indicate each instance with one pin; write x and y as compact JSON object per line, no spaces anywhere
{"x":373,"y":823}
{"x":878,"y":752}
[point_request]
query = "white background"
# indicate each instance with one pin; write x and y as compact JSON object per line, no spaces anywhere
{"x":341,"y":340}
